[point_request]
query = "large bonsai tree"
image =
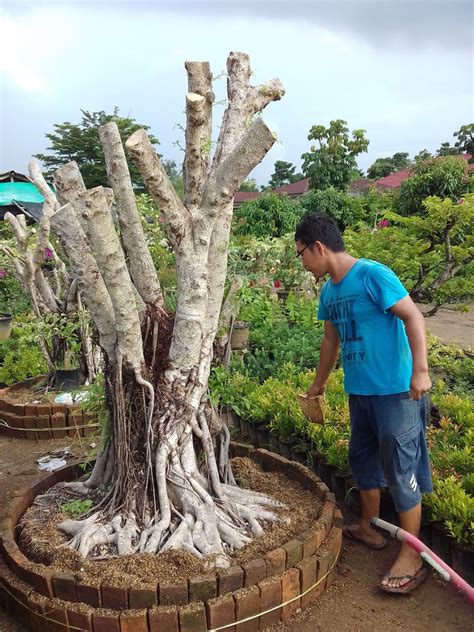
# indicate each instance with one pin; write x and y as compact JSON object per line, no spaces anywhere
{"x":164,"y":459}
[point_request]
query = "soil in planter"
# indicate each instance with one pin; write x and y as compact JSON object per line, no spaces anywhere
{"x":41,"y":540}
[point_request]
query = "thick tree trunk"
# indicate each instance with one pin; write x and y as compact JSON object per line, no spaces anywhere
{"x":172,"y":485}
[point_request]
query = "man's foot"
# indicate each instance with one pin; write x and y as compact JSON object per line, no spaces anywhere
{"x":406,"y":574}
{"x":369,"y":537}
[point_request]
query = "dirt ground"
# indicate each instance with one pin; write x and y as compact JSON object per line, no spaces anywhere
{"x":352,"y":603}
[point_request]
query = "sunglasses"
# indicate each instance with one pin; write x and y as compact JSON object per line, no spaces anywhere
{"x":300,"y":252}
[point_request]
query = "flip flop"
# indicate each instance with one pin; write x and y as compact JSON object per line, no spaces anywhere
{"x":348,"y":533}
{"x":414,"y":581}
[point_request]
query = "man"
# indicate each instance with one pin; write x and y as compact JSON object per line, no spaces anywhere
{"x":382,"y":336}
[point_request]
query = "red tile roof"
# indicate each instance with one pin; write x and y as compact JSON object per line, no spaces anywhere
{"x":394,"y":180}
{"x":295,"y":188}
{"x":244,"y":196}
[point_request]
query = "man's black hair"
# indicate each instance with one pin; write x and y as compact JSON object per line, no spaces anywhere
{"x":320,"y":227}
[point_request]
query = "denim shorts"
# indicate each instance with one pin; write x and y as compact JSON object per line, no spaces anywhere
{"x":388,"y":446}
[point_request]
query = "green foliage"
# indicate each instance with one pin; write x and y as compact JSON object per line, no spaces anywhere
{"x":160,"y":248}
{"x":249,"y":185}
{"x":443,"y":177}
{"x":465,"y":140}
{"x":269,"y":215}
{"x":20,"y":355}
{"x":62,"y":336}
{"x":345,"y":210}
{"x":80,"y":142}
{"x":13,"y":299}
{"x":385,"y":166}
{"x":76,"y":507}
{"x":331,"y":163}
{"x":284,"y":173}
{"x":450,"y":505}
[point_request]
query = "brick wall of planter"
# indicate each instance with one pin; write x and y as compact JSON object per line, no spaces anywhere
{"x":41,"y":421}
{"x":293,"y":574}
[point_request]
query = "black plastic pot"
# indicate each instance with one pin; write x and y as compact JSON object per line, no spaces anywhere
{"x":441,"y":544}
{"x":285,"y":448}
{"x":463,"y":562}
{"x":263,"y":439}
{"x":273,"y":444}
{"x":338,"y":486}
{"x":245,"y":429}
{"x":387,"y":508}
{"x":352,"y":497}
{"x":6,"y":321}
{"x":299,"y":455}
{"x":252,"y":430}
{"x":324,"y":473}
{"x":426,"y":530}
{"x":67,"y":379}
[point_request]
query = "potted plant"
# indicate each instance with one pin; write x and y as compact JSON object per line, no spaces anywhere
{"x":6,"y":321}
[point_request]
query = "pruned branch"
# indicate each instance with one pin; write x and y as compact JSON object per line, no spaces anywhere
{"x":141,"y":266}
{"x":142,"y":153}
{"x":73,"y":239}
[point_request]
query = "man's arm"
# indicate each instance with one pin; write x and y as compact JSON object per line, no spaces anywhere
{"x":407,"y":311}
{"x":327,"y":359}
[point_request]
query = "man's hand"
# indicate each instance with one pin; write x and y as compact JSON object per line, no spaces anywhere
{"x":316,"y":389}
{"x":420,"y":384}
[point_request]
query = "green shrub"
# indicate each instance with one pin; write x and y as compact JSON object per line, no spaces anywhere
{"x":269,"y":215}
{"x":344,"y":209}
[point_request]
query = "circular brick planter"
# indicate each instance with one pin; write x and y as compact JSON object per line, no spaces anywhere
{"x":41,"y":421}
{"x":265,"y":590}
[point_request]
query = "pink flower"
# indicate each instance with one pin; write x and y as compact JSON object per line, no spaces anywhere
{"x":277,"y":284}
{"x":3,"y":273}
{"x":383,"y":223}
{"x":461,"y":201}
{"x":47,"y":253}
{"x":262,"y":281}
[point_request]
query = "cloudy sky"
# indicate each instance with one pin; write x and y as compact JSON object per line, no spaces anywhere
{"x":401,"y":70}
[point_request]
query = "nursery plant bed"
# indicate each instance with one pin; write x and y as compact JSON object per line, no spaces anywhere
{"x":28,"y":411}
{"x":292,"y":557}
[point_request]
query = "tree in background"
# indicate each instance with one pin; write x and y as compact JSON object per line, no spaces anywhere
{"x":422,"y":155}
{"x":385,"y":166}
{"x":269,"y":215}
{"x":284,"y":174}
{"x":79,"y":143}
{"x":249,"y":185}
{"x":465,"y":140}
{"x":332,"y":162}
{"x":345,"y":210}
{"x":443,"y":177}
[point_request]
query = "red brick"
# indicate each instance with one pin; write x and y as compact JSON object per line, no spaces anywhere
{"x":88,"y":594}
{"x":338,"y":519}
{"x":58,"y":420}
{"x":230,"y":579}
{"x":330,"y":497}
{"x":17,"y":423}
{"x":276,"y":562}
{"x":254,"y":571}
{"x":142,"y":597}
{"x":221,"y":611}
{"x":312,"y":539}
{"x":202,"y":587}
{"x":270,"y":597}
{"x":294,"y":552}
{"x":163,"y":619}
{"x":43,"y":422}
{"x":333,"y":543}
{"x":42,"y":581}
{"x":64,"y":587}
{"x":43,"y":409}
{"x":241,"y":450}
{"x":273,"y":463}
{"x":290,"y":589}
{"x":105,"y":622}
{"x":323,"y":489}
{"x":57,"y":618}
{"x":247,"y":604}
{"x":29,"y":422}
{"x":74,"y":419}
{"x":79,"y":619}
{"x":308,"y":577}
{"x":323,"y":567}
{"x":327,"y":516}
{"x":31,"y":409}
{"x":173,"y":594}
{"x":114,"y":597}
{"x":134,"y":621}
{"x":192,"y":618}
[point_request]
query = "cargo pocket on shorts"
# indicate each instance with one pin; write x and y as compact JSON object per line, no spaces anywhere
{"x":407,"y":446}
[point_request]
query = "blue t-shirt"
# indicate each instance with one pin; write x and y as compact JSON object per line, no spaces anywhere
{"x":375,"y":352}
